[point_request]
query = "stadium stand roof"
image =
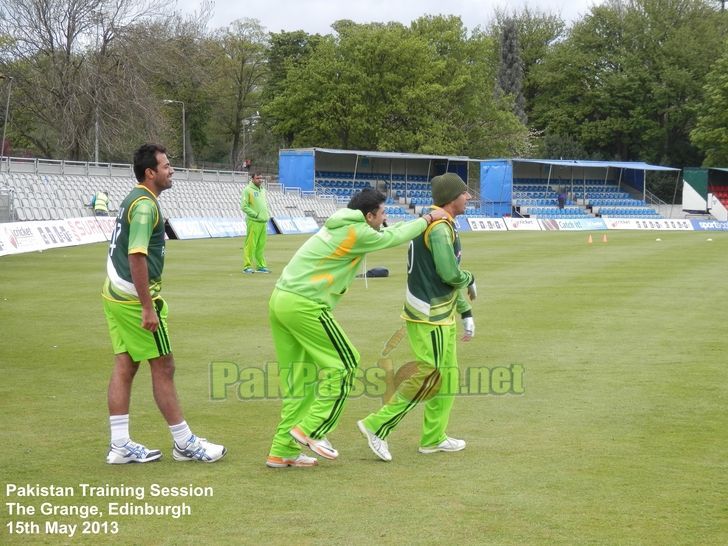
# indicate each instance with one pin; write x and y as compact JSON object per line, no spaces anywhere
{"x":636,"y":165}
{"x":390,"y":155}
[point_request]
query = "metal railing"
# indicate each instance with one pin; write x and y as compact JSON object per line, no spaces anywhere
{"x":652,"y":199}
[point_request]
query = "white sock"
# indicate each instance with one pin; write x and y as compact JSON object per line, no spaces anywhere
{"x":119,"y":429}
{"x":181,"y":433}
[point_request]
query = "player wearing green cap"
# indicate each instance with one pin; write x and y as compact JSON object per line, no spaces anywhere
{"x":434,"y":296}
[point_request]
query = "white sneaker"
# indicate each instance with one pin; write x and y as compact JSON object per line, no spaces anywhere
{"x":321,"y":447}
{"x":447,"y":445}
{"x":302,"y":461}
{"x":376,"y":444}
{"x":131,"y":452}
{"x":198,"y":449}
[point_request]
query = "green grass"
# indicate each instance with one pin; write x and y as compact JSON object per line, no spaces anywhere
{"x":619,"y":438}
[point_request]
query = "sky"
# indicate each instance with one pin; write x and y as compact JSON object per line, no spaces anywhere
{"x":316,"y":16}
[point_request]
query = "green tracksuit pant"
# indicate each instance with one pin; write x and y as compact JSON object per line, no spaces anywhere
{"x":434,"y":381}
{"x":316,"y":363}
{"x":254,"y":249}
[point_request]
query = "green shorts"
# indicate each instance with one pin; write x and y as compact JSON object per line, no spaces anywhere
{"x":127,"y":335}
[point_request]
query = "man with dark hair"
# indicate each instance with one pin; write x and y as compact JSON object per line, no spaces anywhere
{"x":255,"y":207}
{"x":136,"y":316}
{"x":367,"y":201}
{"x":316,"y":360}
{"x":434,"y":296}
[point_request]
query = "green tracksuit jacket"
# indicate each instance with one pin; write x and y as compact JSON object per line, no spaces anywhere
{"x":324,"y":267}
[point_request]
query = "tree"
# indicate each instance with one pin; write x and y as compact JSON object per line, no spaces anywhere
{"x":238,"y":76}
{"x":537,"y":33}
{"x":626,"y":80}
{"x":97,"y":71}
{"x":710,"y":134}
{"x":510,"y":69}
{"x":67,"y":76}
{"x":287,"y":50}
{"x":427,"y":88}
{"x":562,"y":147}
{"x":364,"y":89}
{"x":182,"y":54}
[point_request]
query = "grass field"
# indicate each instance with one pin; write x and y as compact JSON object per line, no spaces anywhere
{"x":620,"y":435}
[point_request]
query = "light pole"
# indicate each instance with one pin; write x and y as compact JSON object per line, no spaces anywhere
{"x":184,"y":130}
{"x":7,"y":111}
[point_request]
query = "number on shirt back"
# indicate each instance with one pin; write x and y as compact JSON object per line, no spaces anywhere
{"x":115,"y":234}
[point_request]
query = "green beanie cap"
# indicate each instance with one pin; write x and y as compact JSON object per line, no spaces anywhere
{"x":447,"y":187}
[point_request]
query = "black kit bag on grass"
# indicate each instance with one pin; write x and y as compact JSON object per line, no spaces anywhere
{"x":376,"y":272}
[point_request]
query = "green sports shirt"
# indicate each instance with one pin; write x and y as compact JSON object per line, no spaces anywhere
{"x":434,"y":277}
{"x":139,"y":228}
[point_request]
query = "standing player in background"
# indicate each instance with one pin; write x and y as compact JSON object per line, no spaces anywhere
{"x":434,"y":295}
{"x":316,"y":360}
{"x":255,"y":207}
{"x":137,"y":317}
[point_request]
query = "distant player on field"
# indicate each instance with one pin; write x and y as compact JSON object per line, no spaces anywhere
{"x":137,"y":317}
{"x":434,"y":296}
{"x":255,"y":206}
{"x":316,"y":360}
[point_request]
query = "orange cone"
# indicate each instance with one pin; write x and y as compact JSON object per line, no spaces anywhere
{"x":589,"y":239}
{"x":604,"y":238}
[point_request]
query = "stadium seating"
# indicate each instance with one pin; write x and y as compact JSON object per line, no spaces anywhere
{"x":627,"y":212}
{"x":720,"y":192}
{"x":58,"y":196}
{"x":48,"y":196}
{"x":414,"y":189}
{"x":538,"y":198}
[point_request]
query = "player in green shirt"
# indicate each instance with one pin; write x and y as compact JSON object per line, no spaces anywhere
{"x":434,"y":296}
{"x":137,"y":317}
{"x":316,"y":360}
{"x":255,"y":207}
